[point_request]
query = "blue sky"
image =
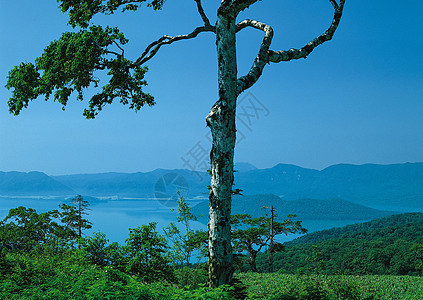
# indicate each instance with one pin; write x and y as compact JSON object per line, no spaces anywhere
{"x":356,"y":99}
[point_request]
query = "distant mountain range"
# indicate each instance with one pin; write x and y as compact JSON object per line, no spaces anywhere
{"x":395,"y":186}
{"x":32,"y":183}
{"x":391,"y":187}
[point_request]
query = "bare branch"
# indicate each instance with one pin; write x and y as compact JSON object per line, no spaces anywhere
{"x":113,"y":52}
{"x":278,"y":56}
{"x":202,"y":13}
{"x":262,"y":57}
{"x":152,"y":49}
{"x":334,"y":4}
{"x":121,"y":49}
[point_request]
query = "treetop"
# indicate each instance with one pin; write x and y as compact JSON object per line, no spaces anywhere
{"x":82,"y":11}
{"x":68,"y":64}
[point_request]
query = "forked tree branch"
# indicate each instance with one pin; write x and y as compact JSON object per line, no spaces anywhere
{"x":262,"y":57}
{"x":202,"y":13}
{"x":287,"y":55}
{"x":121,"y":49}
{"x":266,"y":56}
{"x":154,"y":47}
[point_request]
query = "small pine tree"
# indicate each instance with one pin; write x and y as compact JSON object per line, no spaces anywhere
{"x":72,"y":216}
{"x":82,"y":207}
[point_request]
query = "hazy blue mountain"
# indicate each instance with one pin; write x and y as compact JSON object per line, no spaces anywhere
{"x":396,"y":187}
{"x":243,"y":167}
{"x":139,"y":185}
{"x":286,"y":180}
{"x":143,"y":184}
{"x":32,"y":183}
{"x":305,"y":209}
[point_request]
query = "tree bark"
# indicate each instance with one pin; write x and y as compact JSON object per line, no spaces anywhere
{"x":221,"y":121}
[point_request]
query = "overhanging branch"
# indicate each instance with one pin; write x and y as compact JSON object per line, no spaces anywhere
{"x":154,"y":47}
{"x":278,"y":56}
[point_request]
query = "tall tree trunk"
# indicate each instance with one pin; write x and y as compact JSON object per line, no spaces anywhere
{"x":221,"y":121}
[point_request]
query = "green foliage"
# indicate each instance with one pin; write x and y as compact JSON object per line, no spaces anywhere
{"x":380,"y":251}
{"x":316,"y":260}
{"x":97,"y":252}
{"x":38,"y":277}
{"x":96,"y":270}
{"x":73,"y":277}
{"x":82,"y":11}
{"x":81,"y":208}
{"x":203,"y":293}
{"x":23,"y":229}
{"x":25,"y":80}
{"x":29,"y":269}
{"x":252,"y":234}
{"x":192,"y":277}
{"x":68,"y":65}
{"x":406,"y":226}
{"x":68,"y":215}
{"x":348,"y":256}
{"x":184,"y":244}
{"x":418,"y":251}
{"x":145,"y":250}
{"x":279,"y":286}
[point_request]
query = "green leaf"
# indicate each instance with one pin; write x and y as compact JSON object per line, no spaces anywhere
{"x":82,"y":11}
{"x":25,"y":80}
{"x":68,"y":65}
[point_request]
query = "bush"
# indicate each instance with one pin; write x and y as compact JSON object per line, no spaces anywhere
{"x":145,"y":250}
{"x":192,"y":278}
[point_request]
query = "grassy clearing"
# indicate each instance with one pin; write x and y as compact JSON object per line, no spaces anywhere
{"x":280,"y":286}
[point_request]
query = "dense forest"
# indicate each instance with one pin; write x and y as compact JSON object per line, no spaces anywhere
{"x":387,"y":246}
{"x":47,"y":256}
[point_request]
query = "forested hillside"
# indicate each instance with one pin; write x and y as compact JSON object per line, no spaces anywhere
{"x":391,"y":246}
{"x":397,"y":226}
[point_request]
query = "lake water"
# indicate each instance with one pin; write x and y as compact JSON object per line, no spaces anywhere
{"x":114,"y":216}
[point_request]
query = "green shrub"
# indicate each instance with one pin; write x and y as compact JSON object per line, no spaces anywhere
{"x":145,"y":249}
{"x":190,"y":277}
{"x":202,"y":293}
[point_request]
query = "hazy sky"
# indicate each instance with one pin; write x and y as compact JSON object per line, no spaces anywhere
{"x":356,"y":99}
